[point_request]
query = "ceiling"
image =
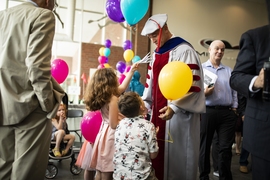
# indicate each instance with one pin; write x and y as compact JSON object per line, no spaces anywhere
{"x":86,"y":21}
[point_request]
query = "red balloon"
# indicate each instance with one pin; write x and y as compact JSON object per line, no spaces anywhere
{"x":90,"y":125}
{"x":59,"y":70}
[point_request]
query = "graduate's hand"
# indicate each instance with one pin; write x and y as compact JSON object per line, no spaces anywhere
{"x":166,"y":113}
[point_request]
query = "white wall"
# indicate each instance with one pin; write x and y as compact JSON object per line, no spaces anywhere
{"x":195,"y":20}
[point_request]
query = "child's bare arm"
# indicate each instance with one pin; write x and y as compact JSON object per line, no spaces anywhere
{"x":113,"y":112}
{"x":122,"y":87}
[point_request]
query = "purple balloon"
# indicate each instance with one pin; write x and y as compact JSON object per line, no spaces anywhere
{"x":107,"y":59}
{"x":121,"y":66}
{"x":108,"y":43}
{"x":114,"y":11}
{"x":127,"y":45}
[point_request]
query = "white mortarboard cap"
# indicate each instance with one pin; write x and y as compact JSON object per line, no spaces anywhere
{"x":151,"y":24}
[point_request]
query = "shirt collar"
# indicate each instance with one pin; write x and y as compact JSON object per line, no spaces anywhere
{"x":35,"y":4}
{"x":209,"y":64}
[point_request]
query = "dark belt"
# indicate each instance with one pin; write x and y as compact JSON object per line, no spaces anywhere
{"x":219,"y":107}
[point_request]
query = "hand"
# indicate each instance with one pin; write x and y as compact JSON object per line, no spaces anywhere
{"x":258,"y":84}
{"x":157,"y":129}
{"x":166,"y":113}
{"x":235,"y":111}
{"x":209,"y":90}
{"x":63,"y":117}
{"x":134,"y":67}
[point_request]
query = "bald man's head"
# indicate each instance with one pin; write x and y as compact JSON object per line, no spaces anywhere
{"x":217,"y":42}
{"x":216,"y":51}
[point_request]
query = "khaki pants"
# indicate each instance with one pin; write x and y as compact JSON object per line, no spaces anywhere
{"x":24,"y":148}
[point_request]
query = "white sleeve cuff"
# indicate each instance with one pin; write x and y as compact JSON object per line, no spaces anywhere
{"x":174,"y":108}
{"x":251,"y":85}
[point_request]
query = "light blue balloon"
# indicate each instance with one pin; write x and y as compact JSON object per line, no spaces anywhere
{"x":134,"y":10}
{"x":106,"y":52}
{"x":136,"y":59}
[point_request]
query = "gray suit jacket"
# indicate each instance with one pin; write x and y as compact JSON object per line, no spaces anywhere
{"x":26,"y":35}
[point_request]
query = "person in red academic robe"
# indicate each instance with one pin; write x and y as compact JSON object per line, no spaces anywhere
{"x":179,"y":137}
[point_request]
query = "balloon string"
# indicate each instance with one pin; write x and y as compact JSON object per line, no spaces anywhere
{"x":170,"y":140}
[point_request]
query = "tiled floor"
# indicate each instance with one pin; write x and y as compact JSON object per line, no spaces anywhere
{"x":65,"y":174}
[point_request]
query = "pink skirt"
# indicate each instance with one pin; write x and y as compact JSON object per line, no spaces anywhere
{"x":84,"y":157}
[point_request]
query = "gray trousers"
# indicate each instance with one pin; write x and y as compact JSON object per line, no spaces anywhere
{"x":24,"y":148}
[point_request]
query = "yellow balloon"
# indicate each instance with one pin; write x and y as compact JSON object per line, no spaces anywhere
{"x":101,"y":51}
{"x":175,"y":80}
{"x":106,"y":65}
{"x":128,"y":55}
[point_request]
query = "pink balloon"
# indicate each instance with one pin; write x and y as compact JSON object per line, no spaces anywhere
{"x":121,"y":78}
{"x":101,"y":66}
{"x":102,"y":59}
{"x":59,"y":70}
{"x":127,"y":68}
{"x":90,"y":125}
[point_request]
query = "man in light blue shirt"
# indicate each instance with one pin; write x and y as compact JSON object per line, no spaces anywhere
{"x":221,"y":103}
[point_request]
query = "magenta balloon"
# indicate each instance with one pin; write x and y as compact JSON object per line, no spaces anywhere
{"x":121,"y":78}
{"x":127,"y":68}
{"x":59,"y":70}
{"x":121,"y":66}
{"x":102,"y":59}
{"x":114,"y":11}
{"x":108,"y":43}
{"x":127,"y":45}
{"x":90,"y":125}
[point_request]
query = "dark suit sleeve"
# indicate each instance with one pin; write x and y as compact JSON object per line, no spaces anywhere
{"x":39,"y":58}
{"x":244,"y":69}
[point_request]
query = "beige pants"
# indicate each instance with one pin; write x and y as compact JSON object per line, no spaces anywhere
{"x":24,"y":148}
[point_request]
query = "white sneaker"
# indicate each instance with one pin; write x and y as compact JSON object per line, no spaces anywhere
{"x":215,"y":173}
{"x":233,"y":146}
